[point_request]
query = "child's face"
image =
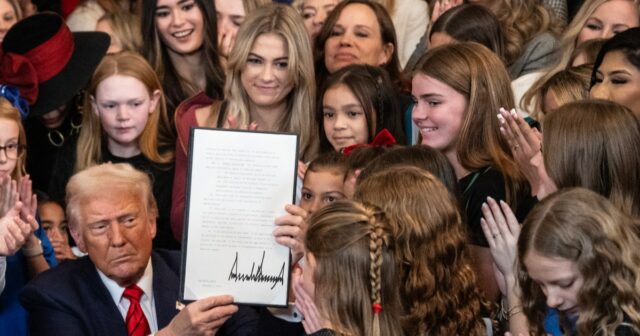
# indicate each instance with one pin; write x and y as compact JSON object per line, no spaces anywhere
{"x":54,"y":222}
{"x":9,"y":133}
{"x":123,"y":105}
{"x":558,"y":278}
{"x":320,"y":189}
{"x":438,"y":112}
{"x":345,"y":121}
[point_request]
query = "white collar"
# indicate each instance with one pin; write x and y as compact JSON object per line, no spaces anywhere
{"x":145,"y":283}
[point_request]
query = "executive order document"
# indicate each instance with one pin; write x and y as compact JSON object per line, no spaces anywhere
{"x":238,"y":183}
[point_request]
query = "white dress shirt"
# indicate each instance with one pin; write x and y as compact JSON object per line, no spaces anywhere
{"x":147,"y":301}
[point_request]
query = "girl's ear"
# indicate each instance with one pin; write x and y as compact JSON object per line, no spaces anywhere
{"x":155,"y":99}
{"x":94,"y":105}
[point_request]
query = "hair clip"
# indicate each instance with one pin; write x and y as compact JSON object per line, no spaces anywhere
{"x":377,"y":308}
{"x":382,"y":139}
{"x":12,"y":94}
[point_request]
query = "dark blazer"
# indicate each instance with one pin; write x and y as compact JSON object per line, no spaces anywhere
{"x":72,"y":300}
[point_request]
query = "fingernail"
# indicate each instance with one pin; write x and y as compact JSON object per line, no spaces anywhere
{"x":489,"y":198}
{"x":484,"y":205}
{"x":514,"y":113}
{"x":502,"y":130}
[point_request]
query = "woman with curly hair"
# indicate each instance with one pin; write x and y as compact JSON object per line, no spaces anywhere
{"x":530,"y":34}
{"x":578,"y":253}
{"x":440,"y":294}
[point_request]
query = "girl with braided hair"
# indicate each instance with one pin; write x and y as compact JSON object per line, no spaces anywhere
{"x":438,"y":287}
{"x":348,"y":285}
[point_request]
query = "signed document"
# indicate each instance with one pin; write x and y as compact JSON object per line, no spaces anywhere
{"x":238,"y":183}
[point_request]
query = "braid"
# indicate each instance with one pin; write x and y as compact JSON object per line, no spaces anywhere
{"x":376,"y":239}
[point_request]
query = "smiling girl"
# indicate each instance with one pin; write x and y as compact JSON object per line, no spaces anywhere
{"x":457,"y":88}
{"x":357,"y":103}
{"x":179,"y":41}
{"x":126,"y":103}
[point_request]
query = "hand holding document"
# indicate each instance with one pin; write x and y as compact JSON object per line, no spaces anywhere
{"x":238,"y":184}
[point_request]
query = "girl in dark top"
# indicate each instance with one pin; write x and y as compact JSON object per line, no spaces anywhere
{"x":127,"y":105}
{"x":458,"y":89}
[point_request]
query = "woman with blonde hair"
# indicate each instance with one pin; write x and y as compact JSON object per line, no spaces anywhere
{"x":125,"y":108}
{"x":579,"y":254}
{"x":596,"y":19}
{"x":440,"y":293}
{"x":348,"y":283}
{"x":124,"y":30}
{"x":270,"y":86}
{"x":458,"y":88}
{"x":569,"y":85}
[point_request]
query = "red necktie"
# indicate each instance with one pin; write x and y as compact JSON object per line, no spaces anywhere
{"x":137,"y":324}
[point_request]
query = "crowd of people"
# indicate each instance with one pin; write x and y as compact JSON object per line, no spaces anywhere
{"x":464,"y":168}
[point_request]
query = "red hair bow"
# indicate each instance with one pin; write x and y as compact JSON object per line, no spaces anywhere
{"x":17,"y":70}
{"x":382,"y":139}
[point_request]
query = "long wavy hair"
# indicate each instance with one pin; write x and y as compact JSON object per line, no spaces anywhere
{"x":568,"y":43}
{"x":155,"y":134}
{"x":604,"y":133}
{"x":299,"y":118}
{"x":439,"y":294}
{"x":354,"y":269}
{"x":387,"y":32}
{"x":521,"y":21}
{"x":372,"y":88}
{"x":9,"y":112}
{"x":480,"y":76}
{"x":155,"y":51}
{"x":584,"y":227}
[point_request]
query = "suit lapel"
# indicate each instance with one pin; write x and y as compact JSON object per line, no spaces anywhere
{"x":165,"y":289}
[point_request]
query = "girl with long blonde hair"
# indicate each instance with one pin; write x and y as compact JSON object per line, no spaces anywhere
{"x":125,"y":108}
{"x":270,"y":87}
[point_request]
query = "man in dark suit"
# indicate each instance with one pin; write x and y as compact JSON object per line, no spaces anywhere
{"x":122,"y":287}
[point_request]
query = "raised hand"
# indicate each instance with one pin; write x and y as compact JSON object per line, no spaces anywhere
{"x":27,"y":197}
{"x":290,"y":230}
{"x":526,"y":147}
{"x":311,"y":321}
{"x":14,"y":231}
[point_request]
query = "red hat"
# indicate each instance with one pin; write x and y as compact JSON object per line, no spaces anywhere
{"x":47,"y":62}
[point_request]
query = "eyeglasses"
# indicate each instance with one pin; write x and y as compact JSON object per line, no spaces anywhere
{"x":12,"y":150}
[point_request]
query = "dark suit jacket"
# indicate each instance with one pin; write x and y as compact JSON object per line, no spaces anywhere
{"x":72,"y":300}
